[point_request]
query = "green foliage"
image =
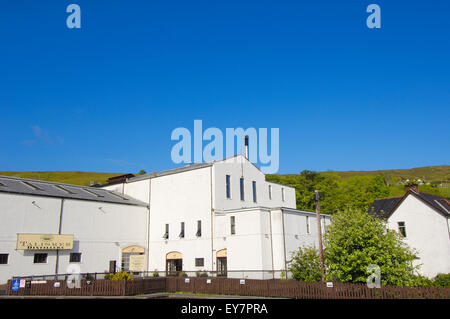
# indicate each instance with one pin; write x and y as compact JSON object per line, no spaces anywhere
{"x":122,"y":275}
{"x":305,"y":265}
{"x":155,"y":273}
{"x":442,"y":280}
{"x":356,"y":240}
{"x":142,"y":172}
{"x":201,"y":274}
{"x":357,"y":192}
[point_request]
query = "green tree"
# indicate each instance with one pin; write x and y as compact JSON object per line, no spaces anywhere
{"x":356,"y":240}
{"x":305,"y":265}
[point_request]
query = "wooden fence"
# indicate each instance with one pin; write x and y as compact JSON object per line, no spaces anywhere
{"x":92,"y":288}
{"x":228,"y":286}
{"x":300,"y":290}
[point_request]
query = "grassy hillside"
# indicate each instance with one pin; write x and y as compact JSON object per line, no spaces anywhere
{"x":357,"y":188}
{"x":77,"y":178}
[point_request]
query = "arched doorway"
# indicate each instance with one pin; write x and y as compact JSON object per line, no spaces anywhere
{"x":127,"y":252}
{"x":221,"y":263}
{"x":174,"y":263}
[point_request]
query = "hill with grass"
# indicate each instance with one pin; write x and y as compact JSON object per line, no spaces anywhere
{"x":339,"y":189}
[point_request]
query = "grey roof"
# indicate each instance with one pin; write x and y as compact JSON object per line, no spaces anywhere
{"x":384,"y":207}
{"x":168,"y":172}
{"x":16,"y":185}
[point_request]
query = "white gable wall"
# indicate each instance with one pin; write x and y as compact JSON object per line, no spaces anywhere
{"x":427,"y":231}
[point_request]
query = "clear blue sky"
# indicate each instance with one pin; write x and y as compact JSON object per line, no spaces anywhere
{"x":106,"y":97}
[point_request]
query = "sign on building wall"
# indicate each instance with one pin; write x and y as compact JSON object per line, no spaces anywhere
{"x":44,"y":242}
{"x":137,"y":263}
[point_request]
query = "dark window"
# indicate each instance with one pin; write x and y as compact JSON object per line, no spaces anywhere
{"x":402,"y":228}
{"x":199,"y":228}
{"x":233,"y":225}
{"x":307,"y":225}
{"x":182,"y":230}
{"x":242,"y":188}
{"x":228,"y":185}
{"x":166,"y":234}
{"x":270,"y":191}
{"x":40,"y":258}
{"x":199,"y":262}
{"x":3,"y":259}
{"x":254,"y":191}
{"x":75,"y":257}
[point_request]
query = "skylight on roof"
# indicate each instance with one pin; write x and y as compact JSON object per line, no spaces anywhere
{"x":32,"y":186}
{"x":92,"y":193}
{"x":63,"y":189}
{"x":117,"y":195}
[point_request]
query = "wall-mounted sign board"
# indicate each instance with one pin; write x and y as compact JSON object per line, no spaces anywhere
{"x":137,"y":263}
{"x":44,"y":242}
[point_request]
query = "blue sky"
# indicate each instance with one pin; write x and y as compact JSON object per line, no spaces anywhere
{"x":106,"y":97}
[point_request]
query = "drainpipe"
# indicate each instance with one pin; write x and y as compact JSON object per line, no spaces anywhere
{"x":271,"y":243}
{"x":59,"y":233}
{"x":148,"y":223}
{"x":212,"y":217}
{"x":284,"y":242}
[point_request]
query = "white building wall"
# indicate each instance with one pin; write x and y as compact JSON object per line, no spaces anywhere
{"x":98,"y":235}
{"x":183,"y":197}
{"x":101,"y":231}
{"x":427,"y":231}
{"x":238,"y":167}
{"x":18,"y":214}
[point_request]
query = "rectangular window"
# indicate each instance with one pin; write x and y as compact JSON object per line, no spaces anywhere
{"x":228,"y":185}
{"x":254,"y":191}
{"x":199,"y":262}
{"x":233,"y":225}
{"x":308,"y":231}
{"x":270,"y":191}
{"x":166,"y":234}
{"x":75,"y":257}
{"x":182,"y":230}
{"x":199,"y":228}
{"x":3,"y":259}
{"x":402,"y":228}
{"x":282,"y":194}
{"x":40,"y":258}
{"x":242,"y":188}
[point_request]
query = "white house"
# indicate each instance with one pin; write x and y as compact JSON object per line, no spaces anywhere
{"x":221,"y":216}
{"x":424,"y":220}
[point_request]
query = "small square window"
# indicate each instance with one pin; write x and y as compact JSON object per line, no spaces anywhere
{"x":199,"y":262}
{"x":3,"y":259}
{"x":75,"y":257}
{"x":402,"y":228}
{"x":40,"y":258}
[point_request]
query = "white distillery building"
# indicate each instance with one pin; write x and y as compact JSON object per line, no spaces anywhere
{"x":221,"y":217}
{"x":103,"y":225}
{"x":424,"y":220}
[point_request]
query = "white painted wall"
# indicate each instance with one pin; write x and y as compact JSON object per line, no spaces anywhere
{"x":427,"y":231}
{"x":238,"y":167}
{"x":98,"y":235}
{"x":183,"y":197}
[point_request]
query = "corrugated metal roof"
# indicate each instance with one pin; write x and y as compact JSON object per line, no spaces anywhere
{"x":24,"y":186}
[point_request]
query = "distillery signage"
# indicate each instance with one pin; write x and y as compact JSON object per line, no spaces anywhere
{"x":44,"y":242}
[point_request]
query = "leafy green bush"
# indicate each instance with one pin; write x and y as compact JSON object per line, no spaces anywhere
{"x":355,"y":240}
{"x":305,"y":265}
{"x":442,"y":280}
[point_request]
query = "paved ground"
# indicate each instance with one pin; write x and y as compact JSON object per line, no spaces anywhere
{"x":162,"y":295}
